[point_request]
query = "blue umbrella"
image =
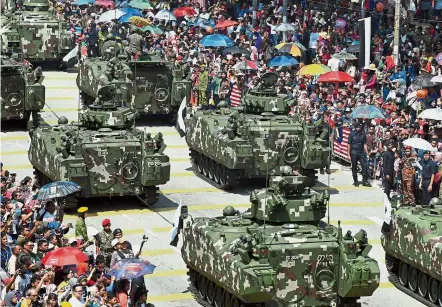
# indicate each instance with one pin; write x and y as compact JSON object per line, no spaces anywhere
{"x":283,"y":60}
{"x":57,"y":189}
{"x":132,"y":11}
{"x":125,"y":18}
{"x":131,"y":268}
{"x":368,"y":112}
{"x":216,"y":40}
{"x":81,"y":2}
{"x":355,"y":43}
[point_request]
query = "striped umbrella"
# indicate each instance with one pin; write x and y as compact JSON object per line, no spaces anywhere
{"x":57,"y":189}
{"x":291,"y":48}
{"x":245,"y":65}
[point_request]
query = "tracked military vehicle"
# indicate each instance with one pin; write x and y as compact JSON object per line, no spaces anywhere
{"x":154,"y":86}
{"x":257,"y":140}
{"x":412,"y":243}
{"x":22,"y":92}
{"x":103,"y":153}
{"x":278,"y":253}
{"x":36,"y":32}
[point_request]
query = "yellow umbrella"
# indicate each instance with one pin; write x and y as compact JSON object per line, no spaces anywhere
{"x":139,"y":21}
{"x":291,"y":48}
{"x":313,"y":69}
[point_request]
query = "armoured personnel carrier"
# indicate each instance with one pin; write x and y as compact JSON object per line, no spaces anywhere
{"x":253,"y":141}
{"x":22,"y":92}
{"x":278,"y":252}
{"x":103,"y":153}
{"x":154,"y":86}
{"x":36,"y":32}
{"x":412,"y":242}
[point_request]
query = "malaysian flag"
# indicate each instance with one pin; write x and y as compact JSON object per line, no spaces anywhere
{"x":340,"y":144}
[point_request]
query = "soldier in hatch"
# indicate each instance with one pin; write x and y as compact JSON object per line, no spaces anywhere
{"x":135,"y":43}
{"x":110,"y":48}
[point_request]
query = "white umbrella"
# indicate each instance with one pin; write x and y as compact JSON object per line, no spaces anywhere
{"x":419,"y":143}
{"x":437,"y":79}
{"x":435,"y":114}
{"x":165,"y":15}
{"x":285,"y":27}
{"x":111,"y":15}
{"x":71,"y":58}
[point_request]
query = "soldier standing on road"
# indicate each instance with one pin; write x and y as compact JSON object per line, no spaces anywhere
{"x":80,"y":225}
{"x":104,"y":240}
{"x":357,"y":146}
{"x":388,"y":164}
{"x":203,"y":84}
{"x":135,"y":43}
{"x":429,"y":170}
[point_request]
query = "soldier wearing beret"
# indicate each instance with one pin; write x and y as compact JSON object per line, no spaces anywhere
{"x":103,"y":241}
{"x":80,"y":225}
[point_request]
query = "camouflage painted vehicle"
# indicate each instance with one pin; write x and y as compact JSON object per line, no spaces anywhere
{"x":104,"y":153}
{"x":22,"y":92}
{"x":278,"y":252}
{"x":260,"y":139}
{"x":154,"y":86}
{"x":413,"y":249}
{"x":36,"y":33}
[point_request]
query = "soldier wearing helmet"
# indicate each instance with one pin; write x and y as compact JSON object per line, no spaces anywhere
{"x":110,"y":48}
{"x":135,"y":43}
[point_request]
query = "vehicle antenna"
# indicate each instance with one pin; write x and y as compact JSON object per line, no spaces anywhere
{"x":267,"y":171}
{"x":328,"y":173}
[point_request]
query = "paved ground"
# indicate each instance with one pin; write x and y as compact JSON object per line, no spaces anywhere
{"x":355,"y":207}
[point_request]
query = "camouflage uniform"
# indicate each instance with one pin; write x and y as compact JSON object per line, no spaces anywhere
{"x":81,"y":229}
{"x":135,"y":43}
{"x":203,"y":83}
{"x":110,"y":48}
{"x":104,"y":243}
{"x":408,"y":179}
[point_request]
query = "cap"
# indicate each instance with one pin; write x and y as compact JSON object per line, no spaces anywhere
{"x":407,"y":147}
{"x":105,"y":222}
{"x":82,"y":209}
{"x":81,"y":277}
{"x":115,"y":242}
{"x":65,"y":304}
{"x":426,"y":152}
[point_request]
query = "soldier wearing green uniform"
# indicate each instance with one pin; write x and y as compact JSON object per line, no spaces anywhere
{"x":80,"y":225}
{"x":103,"y":242}
{"x":203,"y":84}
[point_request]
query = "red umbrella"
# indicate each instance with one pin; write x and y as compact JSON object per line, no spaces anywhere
{"x":245,"y":65}
{"x":184,"y":11}
{"x":226,"y":23}
{"x":105,"y":3}
{"x":335,"y":76}
{"x":64,"y":256}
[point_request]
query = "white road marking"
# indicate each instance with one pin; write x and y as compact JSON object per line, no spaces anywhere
{"x":150,"y":232}
{"x":126,"y":216}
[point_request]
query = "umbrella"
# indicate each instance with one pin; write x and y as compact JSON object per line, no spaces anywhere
{"x":64,"y":256}
{"x":367,"y":112}
{"x":435,"y":114}
{"x":184,"y":11}
{"x":81,"y":2}
{"x":165,"y":15}
{"x":125,"y":18}
{"x":283,"y":60}
{"x":139,"y":21}
{"x":152,"y":29}
{"x":353,"y":49}
{"x":131,"y":11}
{"x":131,"y":268}
{"x":71,"y":58}
{"x":245,"y":65}
{"x":300,"y":46}
{"x":104,"y":3}
{"x":424,"y":80}
{"x":226,"y":24}
{"x":110,"y":15}
{"x":335,"y":76}
{"x":141,"y":4}
{"x":437,"y":79}
{"x":57,"y":189}
{"x":235,"y":50}
{"x":291,"y":48}
{"x":344,"y":56}
{"x":285,"y":27}
{"x":419,"y":143}
{"x":314,"y":69}
{"x":216,"y":40}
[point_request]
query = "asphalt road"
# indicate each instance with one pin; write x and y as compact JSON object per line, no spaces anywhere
{"x":356,"y":207}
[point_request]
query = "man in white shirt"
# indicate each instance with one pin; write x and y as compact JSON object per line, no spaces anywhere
{"x":16,"y":250}
{"x":77,"y":300}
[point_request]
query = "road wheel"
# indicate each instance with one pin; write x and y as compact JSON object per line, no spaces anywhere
{"x":216,"y":172}
{"x":202,"y":287}
{"x":412,"y":278}
{"x":227,"y":299}
{"x":403,"y":273}
{"x":193,"y":277}
{"x":440,"y":294}
{"x":210,"y":297}
{"x":200,"y":159}
{"x":219,"y":297}
{"x":206,"y":162}
{"x":422,"y":284}
{"x":222,"y":175}
{"x":235,"y":302}
{"x":391,"y":263}
{"x":211,"y":169}
{"x":433,"y":290}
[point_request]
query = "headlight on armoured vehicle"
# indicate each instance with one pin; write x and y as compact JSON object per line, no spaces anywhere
{"x":325,"y":280}
{"x":14,"y":99}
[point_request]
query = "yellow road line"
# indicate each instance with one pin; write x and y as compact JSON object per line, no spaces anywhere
{"x":14,"y":152}
{"x":170,"y":297}
{"x":167,"y":273}
{"x":62,"y":87}
{"x":158,"y":252}
{"x":57,"y":110}
{"x":6,"y":138}
{"x":73,"y":77}
{"x":61,"y":98}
